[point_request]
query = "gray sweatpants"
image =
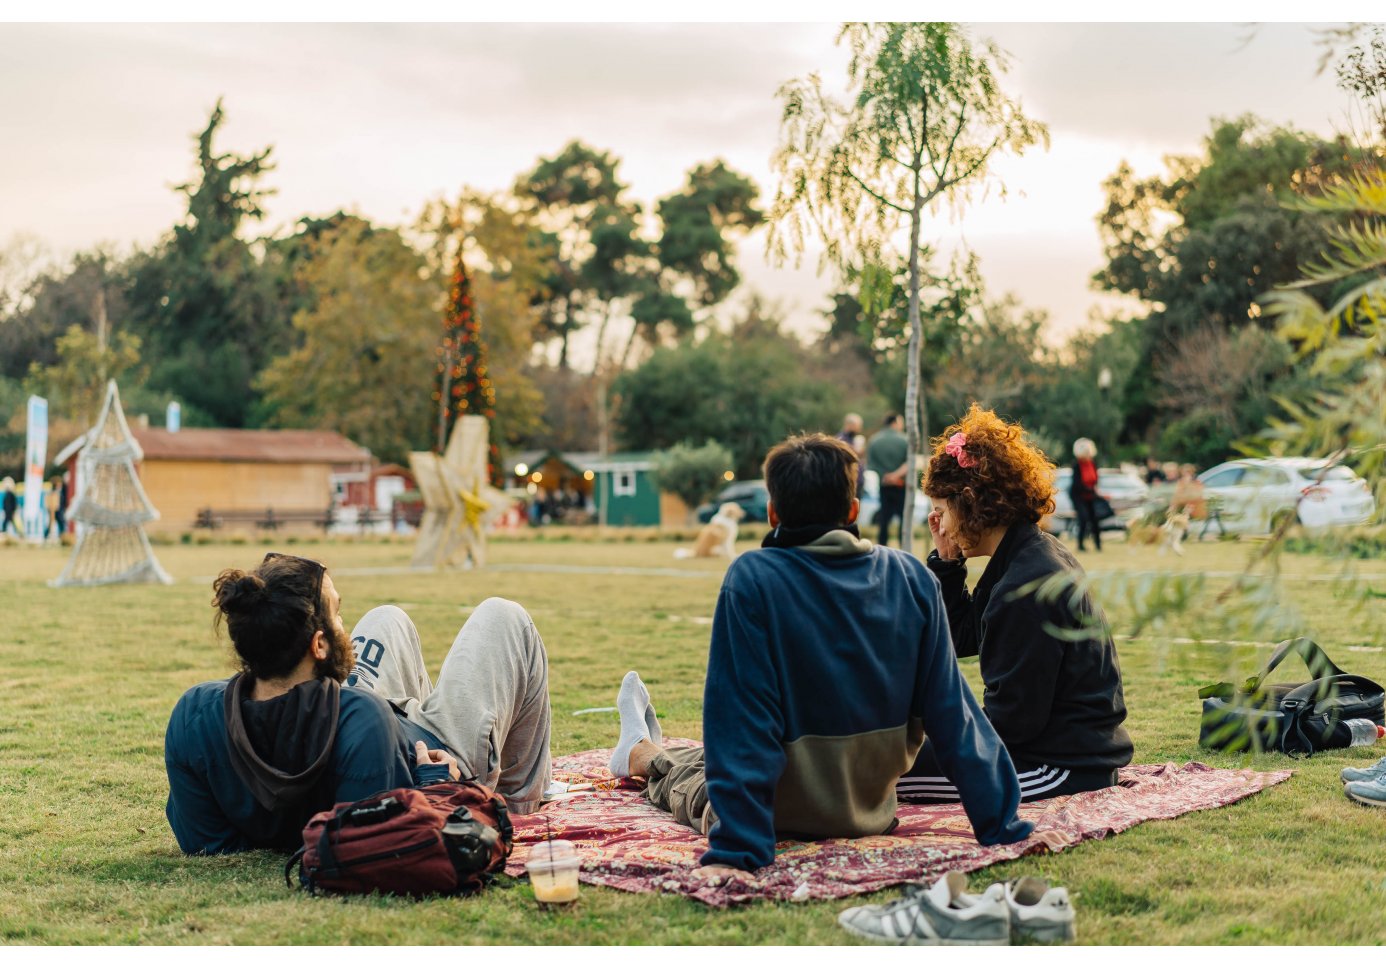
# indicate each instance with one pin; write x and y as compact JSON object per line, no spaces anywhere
{"x":491,"y":704}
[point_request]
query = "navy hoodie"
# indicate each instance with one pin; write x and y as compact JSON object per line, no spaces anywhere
{"x":829,"y":662}
{"x":213,"y":811}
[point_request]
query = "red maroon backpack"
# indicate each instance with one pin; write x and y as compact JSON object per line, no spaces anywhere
{"x":445,"y":838}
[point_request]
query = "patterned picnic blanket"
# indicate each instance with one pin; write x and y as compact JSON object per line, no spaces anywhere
{"x":628,"y":844}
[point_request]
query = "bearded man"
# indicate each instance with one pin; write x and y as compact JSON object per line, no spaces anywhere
{"x":316,"y":717}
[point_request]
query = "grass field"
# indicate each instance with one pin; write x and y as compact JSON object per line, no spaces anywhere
{"x":90,"y":675}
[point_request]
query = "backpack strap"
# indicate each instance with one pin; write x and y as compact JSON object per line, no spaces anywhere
{"x":1315,"y":659}
{"x":507,"y":831}
{"x":297,"y":858}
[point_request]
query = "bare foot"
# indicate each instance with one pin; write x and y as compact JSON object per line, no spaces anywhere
{"x":640,"y":756}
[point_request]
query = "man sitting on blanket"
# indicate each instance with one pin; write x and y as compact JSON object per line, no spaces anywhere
{"x":830,"y":661}
{"x":306,"y":724}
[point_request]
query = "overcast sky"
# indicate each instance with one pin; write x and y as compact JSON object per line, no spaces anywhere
{"x":96,"y":122}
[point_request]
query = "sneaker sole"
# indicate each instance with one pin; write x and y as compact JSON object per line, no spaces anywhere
{"x":1364,"y":801}
{"x":1047,"y":934}
{"x":930,"y":942}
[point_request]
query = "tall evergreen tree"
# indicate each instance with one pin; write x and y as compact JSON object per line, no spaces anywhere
{"x":464,"y":386}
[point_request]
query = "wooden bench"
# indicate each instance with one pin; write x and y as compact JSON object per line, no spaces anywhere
{"x":268,"y":519}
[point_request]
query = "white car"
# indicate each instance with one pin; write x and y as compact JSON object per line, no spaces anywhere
{"x":1253,"y":495}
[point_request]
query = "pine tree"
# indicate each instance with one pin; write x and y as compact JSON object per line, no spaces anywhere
{"x":464,"y":387}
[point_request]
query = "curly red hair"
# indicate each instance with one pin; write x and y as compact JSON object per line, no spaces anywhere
{"x":992,"y":476}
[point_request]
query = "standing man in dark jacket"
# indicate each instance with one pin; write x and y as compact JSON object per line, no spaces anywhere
{"x":830,"y":659}
{"x":9,"y":505}
{"x":251,"y":758}
{"x":1053,"y":684}
{"x":887,"y":455}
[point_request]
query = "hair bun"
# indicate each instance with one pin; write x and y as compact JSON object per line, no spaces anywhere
{"x":236,"y":591}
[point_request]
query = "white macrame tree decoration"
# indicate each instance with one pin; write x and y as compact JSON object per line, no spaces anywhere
{"x":111,"y":508}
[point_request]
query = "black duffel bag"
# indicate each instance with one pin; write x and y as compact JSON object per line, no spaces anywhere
{"x":1299,"y":718}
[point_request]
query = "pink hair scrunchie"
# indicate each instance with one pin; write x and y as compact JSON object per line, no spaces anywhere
{"x":954,"y":449}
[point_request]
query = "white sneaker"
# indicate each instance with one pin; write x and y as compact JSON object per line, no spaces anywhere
{"x":1038,"y":912}
{"x":941,"y":914}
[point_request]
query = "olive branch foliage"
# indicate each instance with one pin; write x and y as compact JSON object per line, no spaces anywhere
{"x":1343,"y":340}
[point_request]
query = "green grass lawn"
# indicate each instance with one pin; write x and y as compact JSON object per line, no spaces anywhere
{"x":90,"y":675}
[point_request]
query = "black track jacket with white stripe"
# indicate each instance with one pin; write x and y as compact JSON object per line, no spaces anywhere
{"x":1053,"y":684}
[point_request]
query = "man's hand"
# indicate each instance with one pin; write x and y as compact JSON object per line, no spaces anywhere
{"x":946,"y":546}
{"x":423,"y":756}
{"x":721,"y":874}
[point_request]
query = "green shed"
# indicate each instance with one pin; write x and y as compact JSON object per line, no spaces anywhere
{"x":624,"y":489}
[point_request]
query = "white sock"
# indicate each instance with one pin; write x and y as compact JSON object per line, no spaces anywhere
{"x":637,"y":715}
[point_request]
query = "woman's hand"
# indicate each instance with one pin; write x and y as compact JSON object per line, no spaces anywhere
{"x":424,"y":756}
{"x":946,"y":546}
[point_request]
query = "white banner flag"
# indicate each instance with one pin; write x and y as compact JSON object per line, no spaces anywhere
{"x":35,"y":461}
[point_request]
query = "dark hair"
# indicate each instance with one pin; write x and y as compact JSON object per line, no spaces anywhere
{"x":270,"y":614}
{"x":812,"y":479}
{"x":890,"y":418}
{"x":996,"y":479}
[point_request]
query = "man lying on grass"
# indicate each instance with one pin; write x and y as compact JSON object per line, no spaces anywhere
{"x":252,"y":757}
{"x":830,"y":660}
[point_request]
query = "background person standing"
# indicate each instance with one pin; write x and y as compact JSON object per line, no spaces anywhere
{"x":1082,"y":489}
{"x":887,"y":455}
{"x":851,"y":435}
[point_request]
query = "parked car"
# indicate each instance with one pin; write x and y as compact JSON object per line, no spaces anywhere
{"x":1253,"y":495}
{"x":1125,"y":492}
{"x":754,"y":499}
{"x":751,"y":495}
{"x":871,"y":504}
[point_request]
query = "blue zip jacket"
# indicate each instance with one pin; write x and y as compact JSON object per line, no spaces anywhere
{"x":212,"y":811}
{"x":829,"y":663}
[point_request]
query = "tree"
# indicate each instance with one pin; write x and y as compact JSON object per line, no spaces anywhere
{"x":366,"y":364}
{"x":208,"y":312}
{"x":747,"y":388}
{"x":76,"y":381}
{"x":926,"y":118}
{"x":578,"y":202}
{"x":1202,"y":242}
{"x":881,"y":333}
{"x":695,"y":269}
{"x":1344,"y":338}
{"x":508,"y":259}
{"x":86,"y":294}
{"x":464,"y":382}
{"x":692,"y":474}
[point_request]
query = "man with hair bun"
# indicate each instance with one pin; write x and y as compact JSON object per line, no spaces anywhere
{"x":251,"y":758}
{"x":829,"y":662}
{"x":1053,"y":684}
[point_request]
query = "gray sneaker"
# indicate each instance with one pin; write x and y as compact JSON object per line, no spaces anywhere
{"x":1039,"y":913}
{"x":1370,"y":792}
{"x":1357,"y":774}
{"x":942,"y":914}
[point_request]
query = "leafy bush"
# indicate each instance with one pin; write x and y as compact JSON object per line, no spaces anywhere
{"x":692,"y":474}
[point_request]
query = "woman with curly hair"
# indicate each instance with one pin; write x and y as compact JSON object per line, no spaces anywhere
{"x":1053,"y":685}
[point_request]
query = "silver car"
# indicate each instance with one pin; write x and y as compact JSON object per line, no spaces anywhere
{"x":1252,"y":496}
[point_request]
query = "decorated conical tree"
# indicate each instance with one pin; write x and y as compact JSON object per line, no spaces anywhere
{"x":464,"y":385}
{"x":111,"y":508}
